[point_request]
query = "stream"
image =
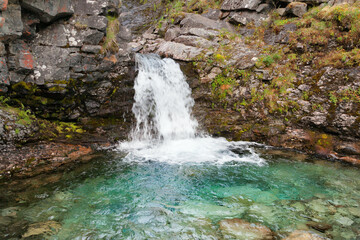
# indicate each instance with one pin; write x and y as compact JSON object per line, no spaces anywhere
{"x":173,"y":181}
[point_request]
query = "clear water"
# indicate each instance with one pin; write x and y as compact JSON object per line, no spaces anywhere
{"x":170,"y":182}
{"x":113,"y":198}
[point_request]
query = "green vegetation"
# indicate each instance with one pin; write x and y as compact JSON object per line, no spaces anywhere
{"x":110,"y":44}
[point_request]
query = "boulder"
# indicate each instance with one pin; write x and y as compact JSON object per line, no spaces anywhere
{"x":213,"y":14}
{"x":198,"y":21}
{"x":178,"y":51}
{"x":78,"y":37}
{"x":95,"y":49}
{"x":200,"y":32}
{"x":12,"y":25}
{"x":49,"y":11}
{"x":232,"y":5}
{"x":245,"y":230}
{"x":297,"y":9}
{"x":86,"y":7}
{"x":41,"y":229}
{"x":172,"y":33}
{"x":245,"y":17}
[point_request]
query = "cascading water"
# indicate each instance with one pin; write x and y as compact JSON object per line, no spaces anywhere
{"x":165,"y":130}
{"x":162,"y":101}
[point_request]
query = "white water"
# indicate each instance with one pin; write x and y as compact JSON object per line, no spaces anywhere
{"x":165,"y":130}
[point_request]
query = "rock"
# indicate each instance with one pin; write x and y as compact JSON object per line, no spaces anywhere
{"x":304,"y":235}
{"x":345,"y":221}
{"x":245,"y":230}
{"x":297,"y":9}
{"x":86,"y":7}
{"x":317,"y":118}
{"x":281,"y":11}
{"x":213,"y":14}
{"x":78,"y":37}
{"x":348,"y":148}
{"x":36,"y":229}
{"x":319,"y":226}
{"x":24,"y":60}
{"x":4,"y":73}
{"x":2,"y":49}
{"x":178,"y":51}
{"x":194,"y":41}
{"x":231,"y":5}
{"x":200,"y":32}
{"x":172,"y":33}
{"x":54,"y":35}
{"x":354,"y":211}
{"x":49,"y":11}
{"x":264,"y":7}
{"x":344,"y":121}
{"x":94,"y":21}
{"x":3,"y":5}
{"x":198,"y":21}
{"x":52,"y":63}
{"x":95,"y":49}
{"x":244,"y":18}
{"x":12,"y":25}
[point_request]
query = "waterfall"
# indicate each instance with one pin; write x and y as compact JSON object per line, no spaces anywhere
{"x":165,"y":130}
{"x":163,"y":101}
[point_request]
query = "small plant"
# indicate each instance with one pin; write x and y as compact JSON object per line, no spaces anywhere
{"x":333,"y":98}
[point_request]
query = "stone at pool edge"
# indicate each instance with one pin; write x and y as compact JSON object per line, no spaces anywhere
{"x":41,"y":228}
{"x":242,"y":229}
{"x":304,"y":235}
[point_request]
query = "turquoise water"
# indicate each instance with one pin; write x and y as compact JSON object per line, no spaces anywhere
{"x":112,"y":198}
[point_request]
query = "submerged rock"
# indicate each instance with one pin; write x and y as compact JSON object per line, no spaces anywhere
{"x":48,"y":228}
{"x":245,"y":230}
{"x":304,"y":235}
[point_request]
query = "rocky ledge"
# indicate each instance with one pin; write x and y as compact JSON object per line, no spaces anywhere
{"x":260,"y":74}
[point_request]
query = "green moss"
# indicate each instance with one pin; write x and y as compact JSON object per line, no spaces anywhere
{"x":24,"y":87}
{"x":110,"y":44}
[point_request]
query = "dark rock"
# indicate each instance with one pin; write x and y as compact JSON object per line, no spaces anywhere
{"x":319,"y":226}
{"x":54,"y":35}
{"x":24,"y":60}
{"x":124,"y":34}
{"x":231,"y":5}
{"x":198,"y":21}
{"x":95,"y":49}
{"x":348,"y":148}
{"x":29,"y":20}
{"x":16,"y":77}
{"x":52,"y":63}
{"x":49,"y":11}
{"x":85,"y":7}
{"x":78,"y":37}
{"x":4,"y":72}
{"x":92,"y":106}
{"x":13,"y":26}
{"x":297,"y":9}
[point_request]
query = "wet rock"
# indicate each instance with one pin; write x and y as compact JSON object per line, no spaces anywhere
{"x":178,"y":51}
{"x":319,"y":226}
{"x":318,"y":205}
{"x":345,"y":221}
{"x":348,"y":148}
{"x":354,"y":211}
{"x":304,"y":235}
{"x":297,"y":9}
{"x":12,"y":26}
{"x":198,"y":21}
{"x":231,"y":5}
{"x":42,"y":228}
{"x":245,"y":230}
{"x":49,"y":11}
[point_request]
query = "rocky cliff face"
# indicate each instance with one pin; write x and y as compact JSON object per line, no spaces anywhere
{"x":286,"y":81}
